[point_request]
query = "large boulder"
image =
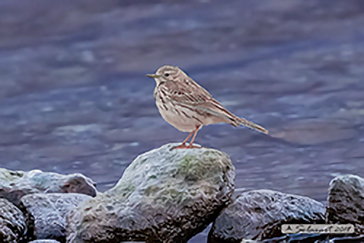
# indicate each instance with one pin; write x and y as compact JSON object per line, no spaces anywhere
{"x":47,"y":212}
{"x":15,"y":184}
{"x":346,"y":202}
{"x":259,"y":214}
{"x":164,"y":196}
{"x":12,"y":223}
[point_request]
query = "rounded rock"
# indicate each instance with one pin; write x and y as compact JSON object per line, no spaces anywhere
{"x":164,"y":196}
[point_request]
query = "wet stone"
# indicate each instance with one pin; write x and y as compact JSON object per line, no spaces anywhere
{"x":15,"y":184}
{"x":346,"y":201}
{"x":164,"y":196}
{"x":48,"y":212}
{"x":259,"y":214}
{"x":12,"y":223}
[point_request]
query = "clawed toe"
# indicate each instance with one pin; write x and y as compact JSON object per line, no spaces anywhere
{"x":184,"y":146}
{"x":193,"y":146}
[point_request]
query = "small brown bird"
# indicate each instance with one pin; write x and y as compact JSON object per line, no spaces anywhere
{"x":187,"y":106}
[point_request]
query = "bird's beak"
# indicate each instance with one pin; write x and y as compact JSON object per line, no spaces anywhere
{"x":153,"y":75}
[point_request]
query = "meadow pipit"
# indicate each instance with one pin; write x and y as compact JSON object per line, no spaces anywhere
{"x":187,"y":106}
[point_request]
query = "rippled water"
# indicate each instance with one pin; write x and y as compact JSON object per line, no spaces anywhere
{"x":74,"y":97}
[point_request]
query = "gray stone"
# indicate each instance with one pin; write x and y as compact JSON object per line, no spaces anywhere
{"x":44,"y":241}
{"x":12,"y":223}
{"x":15,"y":184}
{"x":258,"y":215}
{"x":164,"y":196}
{"x":48,"y":211}
{"x":346,"y":201}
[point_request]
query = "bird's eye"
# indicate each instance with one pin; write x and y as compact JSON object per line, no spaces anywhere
{"x":166,"y":74}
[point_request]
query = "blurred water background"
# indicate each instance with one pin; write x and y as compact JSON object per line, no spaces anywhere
{"x":74,"y":98}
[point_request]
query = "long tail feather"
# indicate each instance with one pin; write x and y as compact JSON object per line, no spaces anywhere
{"x":252,"y":125}
{"x":218,"y":110}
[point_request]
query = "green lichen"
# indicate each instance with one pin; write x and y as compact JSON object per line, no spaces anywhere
{"x":152,"y":177}
{"x":195,"y":167}
{"x":188,"y":164}
{"x":169,"y":195}
{"x":143,"y":161}
{"x":151,"y":190}
{"x":123,"y":188}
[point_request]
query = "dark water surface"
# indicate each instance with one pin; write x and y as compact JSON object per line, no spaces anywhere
{"x":74,"y":97}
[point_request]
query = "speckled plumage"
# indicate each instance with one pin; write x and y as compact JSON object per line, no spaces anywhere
{"x":187,"y":106}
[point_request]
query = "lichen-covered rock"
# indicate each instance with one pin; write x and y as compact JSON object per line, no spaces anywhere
{"x":346,"y":201}
{"x":259,"y":214}
{"x":164,"y":196}
{"x":15,"y":184}
{"x":12,"y":223}
{"x":48,"y":212}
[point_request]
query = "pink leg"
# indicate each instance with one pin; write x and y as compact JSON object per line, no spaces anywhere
{"x":183,"y":145}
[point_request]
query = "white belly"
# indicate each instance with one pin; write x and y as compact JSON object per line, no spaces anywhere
{"x":182,"y":119}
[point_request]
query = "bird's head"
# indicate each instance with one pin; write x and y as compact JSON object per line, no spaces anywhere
{"x":166,"y":73}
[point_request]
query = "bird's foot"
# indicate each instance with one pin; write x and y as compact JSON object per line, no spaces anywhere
{"x":184,"y":146}
{"x":193,"y":146}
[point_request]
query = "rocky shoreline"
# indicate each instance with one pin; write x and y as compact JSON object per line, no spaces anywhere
{"x":168,"y":196}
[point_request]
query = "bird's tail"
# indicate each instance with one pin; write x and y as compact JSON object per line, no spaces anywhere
{"x":251,"y":125}
{"x":218,"y":110}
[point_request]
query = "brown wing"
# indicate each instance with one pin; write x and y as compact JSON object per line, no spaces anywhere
{"x":187,"y":92}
